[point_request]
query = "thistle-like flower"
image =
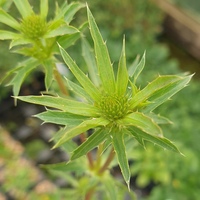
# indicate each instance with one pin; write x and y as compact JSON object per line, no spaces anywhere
{"x":36,"y":38}
{"x":114,"y":106}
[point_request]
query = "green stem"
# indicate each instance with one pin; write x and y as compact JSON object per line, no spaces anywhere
{"x":89,"y":154}
{"x":90,"y":193}
{"x":108,"y":161}
{"x":98,"y":157}
{"x":59,"y":80}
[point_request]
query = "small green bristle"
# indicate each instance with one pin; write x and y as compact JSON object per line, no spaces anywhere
{"x":113,"y":107}
{"x":33,"y":27}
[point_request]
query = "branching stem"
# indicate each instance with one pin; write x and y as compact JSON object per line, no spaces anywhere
{"x":108,"y":161}
{"x":89,"y":194}
{"x":89,"y":154}
{"x":59,"y":80}
{"x":98,"y":155}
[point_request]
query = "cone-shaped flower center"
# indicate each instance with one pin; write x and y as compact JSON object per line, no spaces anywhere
{"x":113,"y":107}
{"x":34,"y":26}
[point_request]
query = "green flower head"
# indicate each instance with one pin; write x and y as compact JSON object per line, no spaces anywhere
{"x":115,"y":108}
{"x":34,"y":27}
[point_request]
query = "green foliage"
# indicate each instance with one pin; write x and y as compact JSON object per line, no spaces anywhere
{"x":36,"y":38}
{"x":115,"y":108}
{"x":113,"y":103}
{"x":5,"y":4}
{"x":188,"y":136}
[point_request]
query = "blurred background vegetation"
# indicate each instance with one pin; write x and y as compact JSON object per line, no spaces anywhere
{"x":156,"y":174}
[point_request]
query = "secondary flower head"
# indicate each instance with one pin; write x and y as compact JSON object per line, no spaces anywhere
{"x":34,"y":27}
{"x":36,"y":37}
{"x":115,"y":108}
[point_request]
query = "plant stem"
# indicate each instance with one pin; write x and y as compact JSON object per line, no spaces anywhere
{"x":89,"y":155}
{"x":108,"y":161}
{"x":89,"y":193}
{"x":98,"y":155}
{"x":82,"y":136}
{"x":59,"y":80}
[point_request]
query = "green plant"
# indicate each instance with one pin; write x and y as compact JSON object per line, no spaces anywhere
{"x":36,"y":37}
{"x":176,"y":177}
{"x":112,"y":106}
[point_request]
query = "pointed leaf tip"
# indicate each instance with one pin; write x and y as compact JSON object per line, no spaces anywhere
{"x":119,"y":147}
{"x":122,"y":74}
{"x":128,"y":185}
{"x":104,"y":65}
{"x":86,"y":83}
{"x":139,"y":67}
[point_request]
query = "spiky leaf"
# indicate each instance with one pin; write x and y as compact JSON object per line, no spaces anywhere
{"x":71,"y":106}
{"x":48,"y":66}
{"x":160,"y":141}
{"x":104,"y":65}
{"x":8,"y":35}
{"x":160,"y":87}
{"x":83,"y":127}
{"x":68,"y":40}
{"x":80,"y":76}
{"x":20,"y":41}
{"x":78,"y":90}
{"x":65,"y":167}
{"x":8,"y":20}
{"x":167,"y":92}
{"x":119,"y":147}
{"x":89,"y":58}
{"x":138,"y":68}
{"x":158,"y":118}
{"x":122,"y":74}
{"x":23,"y":7}
{"x":142,"y":122}
{"x":67,"y":11}
{"x":21,"y":74}
{"x":60,"y":117}
{"x":72,"y":10}
{"x":132,"y":67}
{"x":94,"y":140}
{"x":44,"y":8}
{"x":61,"y":30}
{"x":68,"y":146}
